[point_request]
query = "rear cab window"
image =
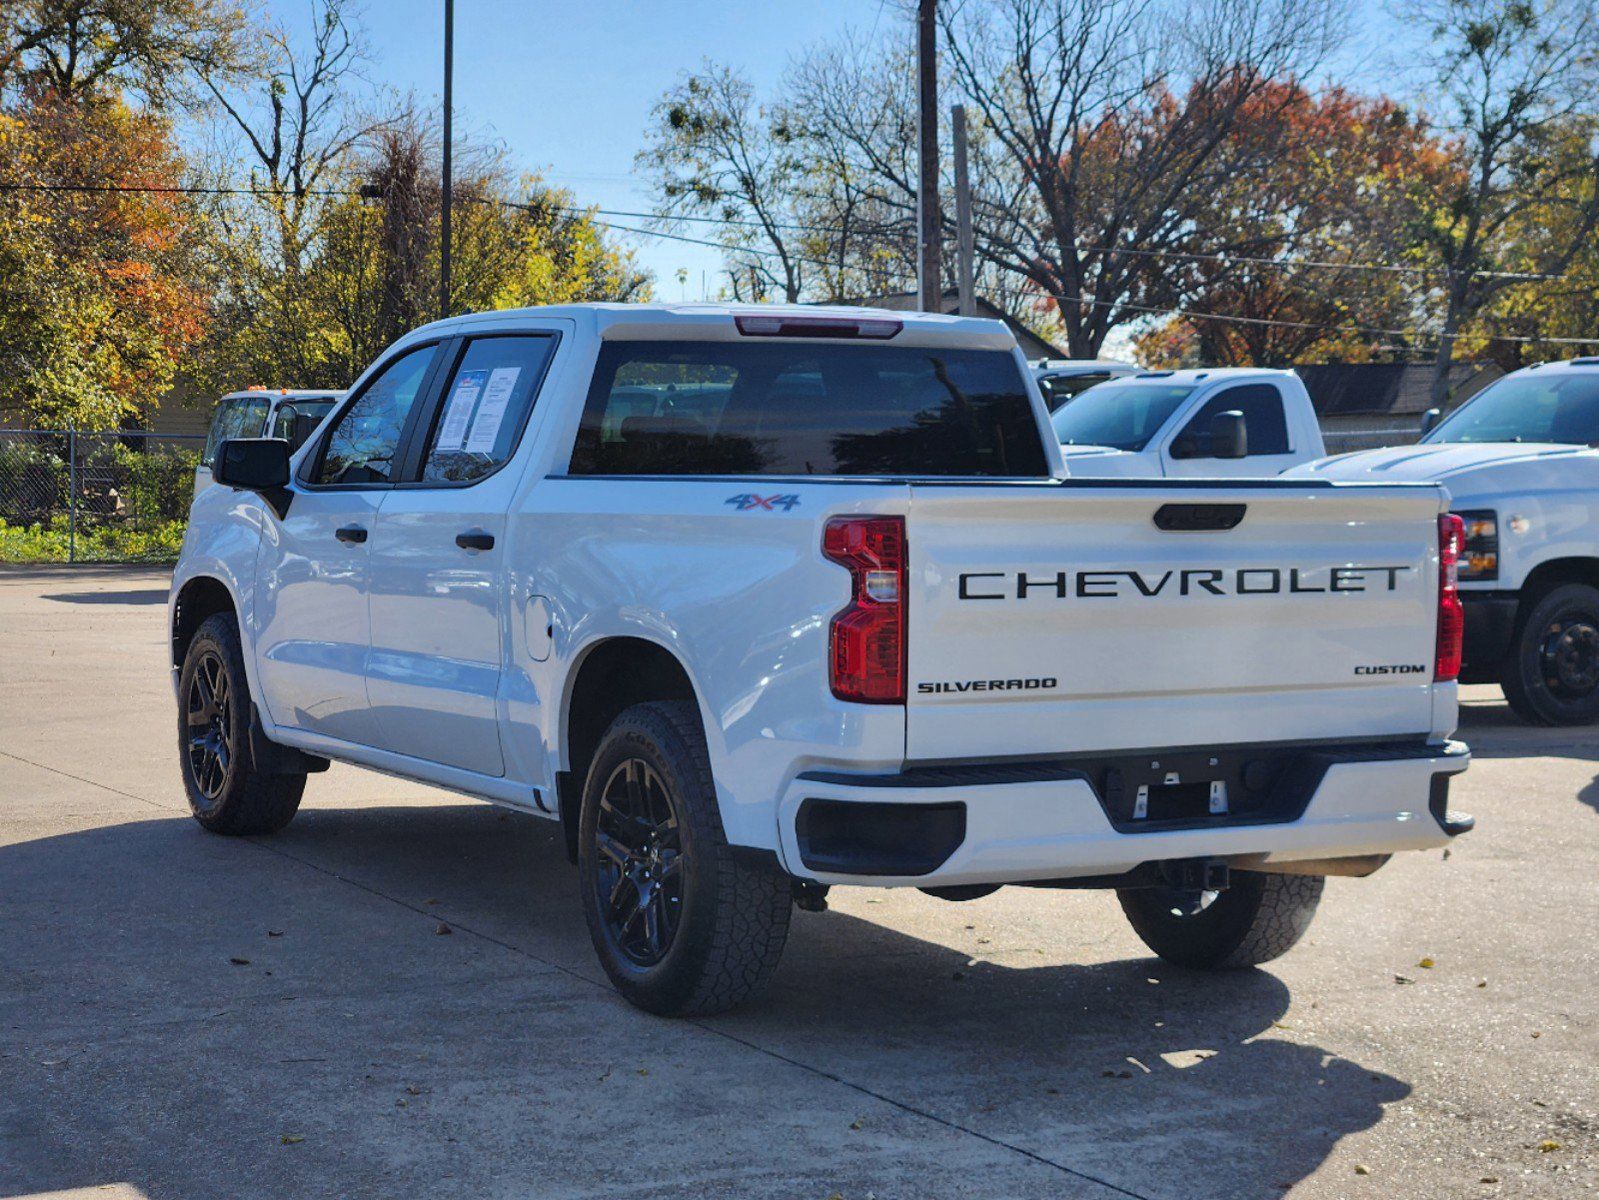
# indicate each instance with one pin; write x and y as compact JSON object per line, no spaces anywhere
{"x":783,"y":407}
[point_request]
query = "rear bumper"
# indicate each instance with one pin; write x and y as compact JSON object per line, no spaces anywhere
{"x":1012,"y":823}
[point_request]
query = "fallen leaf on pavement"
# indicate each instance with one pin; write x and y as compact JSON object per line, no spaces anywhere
{"x":239,"y":962}
{"x":1362,"y":1169}
{"x":443,"y":929}
{"x":1426,"y":963}
{"x":290,"y":1139}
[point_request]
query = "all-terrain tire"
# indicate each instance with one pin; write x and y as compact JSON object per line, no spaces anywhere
{"x":226,"y":793}
{"x":1258,"y":918}
{"x":731,"y":908}
{"x":1551,"y":674}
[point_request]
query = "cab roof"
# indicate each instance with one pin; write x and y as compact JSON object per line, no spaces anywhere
{"x":721,"y":322}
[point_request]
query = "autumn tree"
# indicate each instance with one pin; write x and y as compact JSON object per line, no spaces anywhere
{"x":1323,"y":257}
{"x":97,"y":306}
{"x":149,"y":49}
{"x":1516,"y":84}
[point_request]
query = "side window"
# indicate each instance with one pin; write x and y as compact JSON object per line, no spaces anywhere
{"x":241,"y":417}
{"x":1262,"y":406}
{"x":485,"y":407}
{"x":360,"y":447}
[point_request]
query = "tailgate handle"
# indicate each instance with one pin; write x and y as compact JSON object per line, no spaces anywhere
{"x":1198,"y":518}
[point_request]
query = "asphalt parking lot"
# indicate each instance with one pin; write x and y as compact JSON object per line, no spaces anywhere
{"x":396,"y":997}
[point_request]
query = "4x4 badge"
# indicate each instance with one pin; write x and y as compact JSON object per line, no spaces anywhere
{"x":748,"y":500}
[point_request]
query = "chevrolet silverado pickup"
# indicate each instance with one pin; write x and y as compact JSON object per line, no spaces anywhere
{"x":760,"y":601}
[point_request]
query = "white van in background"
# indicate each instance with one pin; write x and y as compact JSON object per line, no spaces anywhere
{"x":256,"y":412}
{"x":1217,"y":423}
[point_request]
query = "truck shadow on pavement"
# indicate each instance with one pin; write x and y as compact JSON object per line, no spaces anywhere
{"x":402,"y":1000}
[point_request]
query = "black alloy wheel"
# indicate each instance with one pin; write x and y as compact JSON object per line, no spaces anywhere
{"x":641,"y":864}
{"x":208,"y":709}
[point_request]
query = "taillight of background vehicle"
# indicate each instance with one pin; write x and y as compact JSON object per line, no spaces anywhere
{"x":1451,"y":617}
{"x":866,"y":642}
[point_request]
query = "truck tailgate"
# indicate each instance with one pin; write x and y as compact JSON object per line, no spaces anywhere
{"x":1063,"y":619}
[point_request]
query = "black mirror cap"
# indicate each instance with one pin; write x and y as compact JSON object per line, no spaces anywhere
{"x":1429,"y":420}
{"x":1229,"y":436}
{"x":254,"y":464}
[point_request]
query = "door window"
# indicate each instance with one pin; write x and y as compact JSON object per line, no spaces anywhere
{"x":236,"y":417}
{"x":361,"y":446}
{"x":485,"y":407}
{"x":1264,"y":423}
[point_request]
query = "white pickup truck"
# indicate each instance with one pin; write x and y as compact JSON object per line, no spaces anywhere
{"x":288,"y":413}
{"x":1520,"y":463}
{"x":1220,"y":422}
{"x":756,"y":601}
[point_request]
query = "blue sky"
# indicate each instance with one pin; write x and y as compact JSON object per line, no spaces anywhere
{"x":568,"y":87}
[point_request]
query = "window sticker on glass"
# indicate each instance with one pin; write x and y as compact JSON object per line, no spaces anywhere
{"x":491,"y":411}
{"x":468,"y":386}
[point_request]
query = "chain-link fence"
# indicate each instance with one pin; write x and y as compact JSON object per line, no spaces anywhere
{"x":69,"y":496}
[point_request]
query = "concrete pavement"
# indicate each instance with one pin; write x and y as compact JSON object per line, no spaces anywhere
{"x":183,"y":1015}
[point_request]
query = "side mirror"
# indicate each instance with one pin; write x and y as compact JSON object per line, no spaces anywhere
{"x":1229,"y":436}
{"x":256,"y":465}
{"x":1429,"y":419}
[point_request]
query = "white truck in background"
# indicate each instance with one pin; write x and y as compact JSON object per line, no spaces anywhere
{"x":756,"y":601}
{"x":287,"y":413}
{"x":1059,"y":379}
{"x":1216,"y":423}
{"x":1520,"y":464}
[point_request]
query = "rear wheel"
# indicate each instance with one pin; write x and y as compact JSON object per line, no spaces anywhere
{"x":226,"y":793}
{"x":1551,"y":675}
{"x":683,"y":923}
{"x":1256,"y":919}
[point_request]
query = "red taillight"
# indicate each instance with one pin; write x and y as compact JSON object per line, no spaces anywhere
{"x":866,"y":643}
{"x":1451,"y":617}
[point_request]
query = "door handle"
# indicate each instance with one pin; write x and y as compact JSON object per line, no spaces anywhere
{"x":352,"y":534}
{"x":475,"y":539}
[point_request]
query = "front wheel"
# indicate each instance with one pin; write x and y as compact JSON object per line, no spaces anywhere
{"x":226,"y":792}
{"x":1551,"y":675}
{"x":683,"y":923}
{"x":1256,"y":919}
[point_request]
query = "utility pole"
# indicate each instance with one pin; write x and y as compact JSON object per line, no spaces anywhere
{"x":444,"y":201}
{"x":963,"y":217}
{"x":929,"y":276}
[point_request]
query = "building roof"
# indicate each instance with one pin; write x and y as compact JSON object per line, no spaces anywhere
{"x":1032,"y":345}
{"x":1390,"y":389}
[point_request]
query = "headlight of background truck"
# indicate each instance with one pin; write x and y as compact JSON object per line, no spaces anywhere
{"x":1480,"y":555}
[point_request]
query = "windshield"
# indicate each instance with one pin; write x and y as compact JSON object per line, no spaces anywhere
{"x":1123,"y":416}
{"x":236,"y":417}
{"x":1528,"y":408}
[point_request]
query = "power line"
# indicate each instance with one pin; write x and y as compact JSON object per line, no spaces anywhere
{"x":593,"y":213}
{"x":1279,"y":264}
{"x":1183,"y":255}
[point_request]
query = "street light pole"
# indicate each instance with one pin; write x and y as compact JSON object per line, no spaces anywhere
{"x":444,"y":202}
{"x":929,"y":275}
